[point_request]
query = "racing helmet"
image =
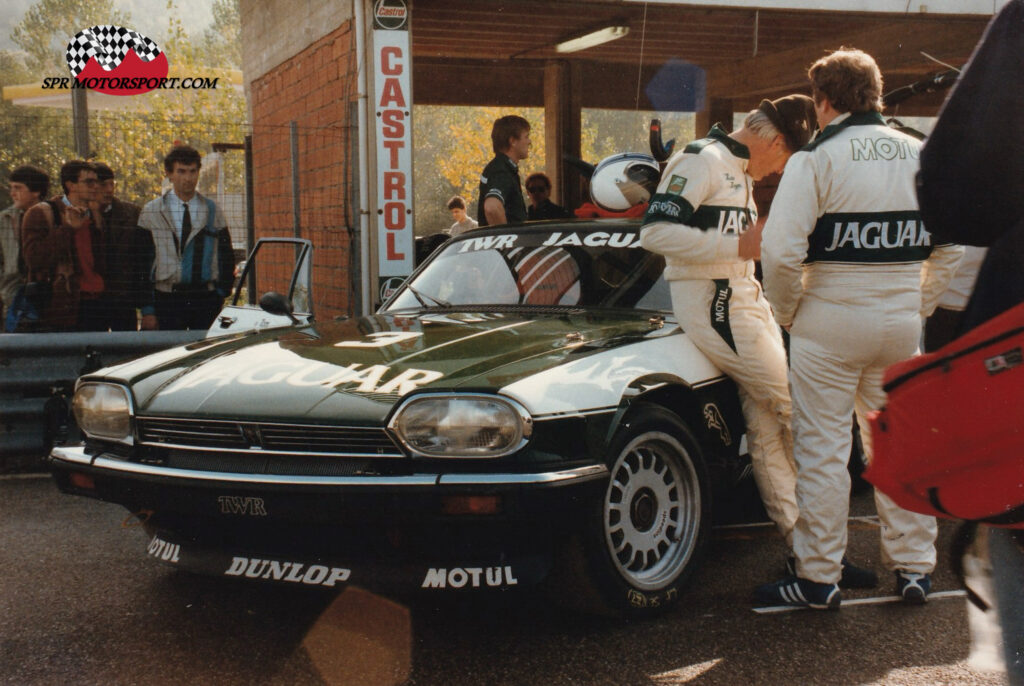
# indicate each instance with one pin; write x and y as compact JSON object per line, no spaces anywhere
{"x":624,"y":180}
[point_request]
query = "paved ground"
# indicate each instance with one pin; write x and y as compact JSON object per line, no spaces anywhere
{"x":81,"y":603}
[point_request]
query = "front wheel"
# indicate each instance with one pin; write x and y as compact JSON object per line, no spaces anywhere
{"x":655,"y":516}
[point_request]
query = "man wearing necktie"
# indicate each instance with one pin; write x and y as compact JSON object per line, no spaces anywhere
{"x":193,"y":264}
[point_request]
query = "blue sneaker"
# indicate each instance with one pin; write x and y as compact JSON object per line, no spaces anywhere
{"x":796,"y":592}
{"x":913,"y":588}
{"x":852,"y":575}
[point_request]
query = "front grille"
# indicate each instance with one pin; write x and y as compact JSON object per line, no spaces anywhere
{"x":268,"y":463}
{"x":306,"y":439}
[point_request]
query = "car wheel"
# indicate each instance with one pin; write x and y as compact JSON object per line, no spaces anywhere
{"x":655,"y":515}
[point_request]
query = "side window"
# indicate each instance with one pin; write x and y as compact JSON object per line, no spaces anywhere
{"x":636,"y":284}
{"x":658,"y":297}
{"x":282,"y":265}
{"x":547,"y":276}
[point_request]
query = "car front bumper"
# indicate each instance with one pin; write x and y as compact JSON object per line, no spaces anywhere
{"x":388,"y":532}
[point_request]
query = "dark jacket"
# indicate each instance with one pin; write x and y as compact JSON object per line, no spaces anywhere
{"x":129,"y":255}
{"x":547,"y":210}
{"x":500,"y":179}
{"x":971,"y":183}
{"x":53,"y":263}
{"x":972,"y":163}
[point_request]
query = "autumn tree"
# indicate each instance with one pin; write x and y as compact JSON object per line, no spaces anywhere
{"x":48,"y":26}
{"x":133,"y":141}
{"x":221,"y":43}
{"x":451,"y":145}
{"x":42,"y":137}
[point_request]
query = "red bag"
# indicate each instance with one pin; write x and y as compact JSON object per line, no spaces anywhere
{"x":950,"y":440}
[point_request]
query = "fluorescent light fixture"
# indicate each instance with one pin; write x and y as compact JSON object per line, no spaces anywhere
{"x":608,"y":33}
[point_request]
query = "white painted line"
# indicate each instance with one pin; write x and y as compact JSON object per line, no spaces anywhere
{"x":867,"y":519}
{"x":862,"y":519}
{"x":13,"y":477}
{"x":938,"y":595}
{"x":749,"y":525}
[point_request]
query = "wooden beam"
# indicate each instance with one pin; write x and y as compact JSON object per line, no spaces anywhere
{"x":478,"y":82}
{"x":557,"y":122}
{"x":719,"y":111}
{"x":562,"y":124}
{"x":895,"y":47}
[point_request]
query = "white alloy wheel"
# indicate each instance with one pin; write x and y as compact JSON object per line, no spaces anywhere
{"x":652,"y":511}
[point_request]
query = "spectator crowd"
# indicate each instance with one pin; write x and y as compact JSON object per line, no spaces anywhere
{"x":81,"y":259}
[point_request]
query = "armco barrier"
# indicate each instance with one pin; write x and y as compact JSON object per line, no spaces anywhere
{"x":37,"y":378}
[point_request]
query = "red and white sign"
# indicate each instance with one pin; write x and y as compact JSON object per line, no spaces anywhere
{"x":392,"y":57}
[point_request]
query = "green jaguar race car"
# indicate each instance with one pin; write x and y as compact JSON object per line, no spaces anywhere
{"x":522,"y":409}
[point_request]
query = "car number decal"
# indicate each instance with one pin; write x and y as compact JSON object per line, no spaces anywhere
{"x":381,"y":339}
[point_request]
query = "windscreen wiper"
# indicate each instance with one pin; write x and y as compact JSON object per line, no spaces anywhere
{"x":421,"y":297}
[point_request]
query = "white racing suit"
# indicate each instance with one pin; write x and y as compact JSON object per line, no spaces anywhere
{"x":702,"y":205}
{"x":842,"y":258}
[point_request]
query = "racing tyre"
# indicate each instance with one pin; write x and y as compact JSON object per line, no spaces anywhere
{"x":654,"y":519}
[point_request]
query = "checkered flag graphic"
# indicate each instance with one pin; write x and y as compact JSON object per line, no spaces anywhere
{"x":108,"y":44}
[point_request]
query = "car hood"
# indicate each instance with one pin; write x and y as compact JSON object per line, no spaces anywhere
{"x":353,"y":372}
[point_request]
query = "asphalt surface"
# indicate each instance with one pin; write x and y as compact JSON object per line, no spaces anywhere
{"x":82,"y":603}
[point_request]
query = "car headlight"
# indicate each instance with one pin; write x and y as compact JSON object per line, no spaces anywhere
{"x":103,"y":410}
{"x":462,"y":425}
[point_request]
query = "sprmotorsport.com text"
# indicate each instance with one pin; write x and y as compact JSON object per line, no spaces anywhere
{"x":136,"y":82}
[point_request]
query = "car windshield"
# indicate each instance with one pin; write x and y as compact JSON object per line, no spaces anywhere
{"x":584,"y":265}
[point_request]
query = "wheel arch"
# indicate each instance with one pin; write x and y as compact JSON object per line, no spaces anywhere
{"x":651,"y":439}
{"x":711,"y":410}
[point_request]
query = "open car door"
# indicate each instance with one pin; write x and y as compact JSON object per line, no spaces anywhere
{"x":273,"y":290}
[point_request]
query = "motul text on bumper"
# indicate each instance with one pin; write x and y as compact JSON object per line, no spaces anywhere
{"x":464,"y":574}
{"x":328,"y":531}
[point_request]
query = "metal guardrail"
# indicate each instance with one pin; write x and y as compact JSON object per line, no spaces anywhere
{"x":37,"y":378}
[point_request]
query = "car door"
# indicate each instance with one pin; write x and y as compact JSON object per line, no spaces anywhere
{"x":274,"y":288}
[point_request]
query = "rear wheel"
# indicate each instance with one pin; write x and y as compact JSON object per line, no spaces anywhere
{"x":654,"y":519}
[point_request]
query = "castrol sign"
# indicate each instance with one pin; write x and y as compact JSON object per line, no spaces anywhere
{"x":392,"y":61}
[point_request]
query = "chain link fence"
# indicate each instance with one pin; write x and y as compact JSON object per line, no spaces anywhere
{"x":293,"y":180}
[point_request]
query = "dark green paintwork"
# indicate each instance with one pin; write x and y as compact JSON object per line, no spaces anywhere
{"x":473,"y":352}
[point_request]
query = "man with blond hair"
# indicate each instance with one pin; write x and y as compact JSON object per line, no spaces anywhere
{"x":842,"y":259}
{"x":703,"y":219}
{"x":501,"y":191}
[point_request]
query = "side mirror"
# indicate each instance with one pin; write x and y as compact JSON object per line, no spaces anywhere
{"x":275,"y":303}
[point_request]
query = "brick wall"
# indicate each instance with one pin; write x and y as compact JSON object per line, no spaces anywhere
{"x":315,"y":89}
